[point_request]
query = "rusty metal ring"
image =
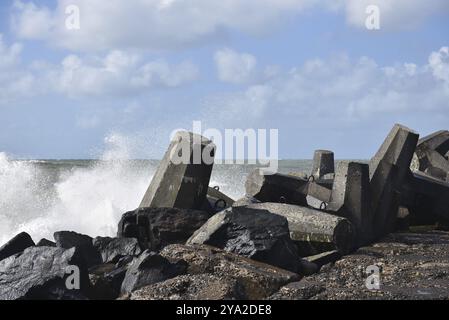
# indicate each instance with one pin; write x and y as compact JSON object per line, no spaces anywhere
{"x":216,"y":188}
{"x":218,"y":201}
{"x":282,"y":199}
{"x":311,"y":178}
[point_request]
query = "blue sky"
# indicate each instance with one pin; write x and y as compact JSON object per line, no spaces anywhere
{"x":136,"y":70}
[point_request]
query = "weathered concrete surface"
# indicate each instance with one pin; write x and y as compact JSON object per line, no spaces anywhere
{"x":351,"y":198}
{"x":323,"y":163}
{"x":388,"y":168}
{"x":259,"y":280}
{"x":218,"y":201}
{"x":251,"y":232}
{"x":276,"y":188}
{"x":182,"y":178}
{"x":431,"y":151}
{"x":412,"y":266}
{"x":313,"y":231}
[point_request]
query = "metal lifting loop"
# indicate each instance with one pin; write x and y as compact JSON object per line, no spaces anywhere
{"x":216,"y":188}
{"x":218,"y":201}
{"x":323,"y":206}
{"x":282,"y":199}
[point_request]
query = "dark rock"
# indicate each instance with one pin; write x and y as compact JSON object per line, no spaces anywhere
{"x":253,"y":233}
{"x":313,"y":231}
{"x":136,"y":224}
{"x":182,"y":178}
{"x":258,"y":279}
{"x":40,"y":273}
{"x":112,"y":249}
{"x":70,"y":239}
{"x":106,"y":280}
{"x":16,"y":245}
{"x":301,"y":290}
{"x":193,"y":287}
{"x":45,"y":243}
{"x":167,"y":225}
{"x":150,"y":268}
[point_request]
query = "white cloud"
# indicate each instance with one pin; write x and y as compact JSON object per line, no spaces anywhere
{"x":149,"y":24}
{"x":170,"y":24}
{"x":341,"y":90}
{"x":114,"y":74}
{"x":235,"y":67}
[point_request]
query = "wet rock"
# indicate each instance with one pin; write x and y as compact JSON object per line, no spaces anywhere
{"x":45,"y":243}
{"x":313,"y":231}
{"x":17,"y":244}
{"x":193,"y":287}
{"x":182,"y":178}
{"x":136,"y":224}
{"x":253,"y":233}
{"x":258,"y":279}
{"x":150,"y":268}
{"x":106,"y":280}
{"x":41,"y":273}
{"x":166,"y":225}
{"x":112,"y":249}
{"x":70,"y":239}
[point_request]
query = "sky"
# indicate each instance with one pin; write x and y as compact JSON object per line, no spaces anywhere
{"x":136,"y":70}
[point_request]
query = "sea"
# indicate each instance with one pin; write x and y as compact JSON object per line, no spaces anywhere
{"x":89,"y":196}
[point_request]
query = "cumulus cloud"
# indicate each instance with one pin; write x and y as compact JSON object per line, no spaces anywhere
{"x":149,"y":24}
{"x":171,"y":24}
{"x":113,"y":74}
{"x":345,"y":90}
{"x":235,"y":67}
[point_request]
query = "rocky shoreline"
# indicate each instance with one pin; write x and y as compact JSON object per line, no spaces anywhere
{"x":344,"y":233}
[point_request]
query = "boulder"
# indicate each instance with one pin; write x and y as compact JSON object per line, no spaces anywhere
{"x":70,"y":239}
{"x":167,"y":225}
{"x":150,"y":268}
{"x":193,"y":287}
{"x":112,"y":249}
{"x":313,"y":231}
{"x":40,"y":273}
{"x":136,"y":224}
{"x":276,"y":187}
{"x":244,"y":201}
{"x":182,"y":178}
{"x":106,"y":280}
{"x":253,"y":233}
{"x":17,"y":244}
{"x":259,"y":280}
